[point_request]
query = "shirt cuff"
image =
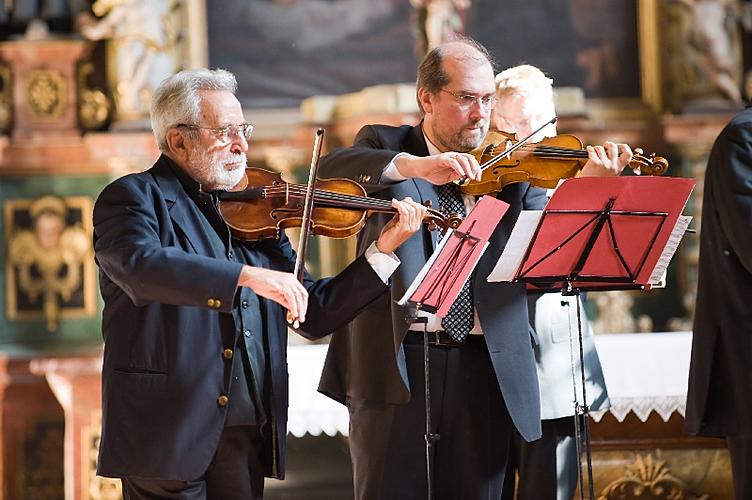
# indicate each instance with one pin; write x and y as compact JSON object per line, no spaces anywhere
{"x":383,"y":264}
{"x":390,"y":173}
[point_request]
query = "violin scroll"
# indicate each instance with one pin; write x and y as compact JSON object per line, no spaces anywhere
{"x":648,"y":165}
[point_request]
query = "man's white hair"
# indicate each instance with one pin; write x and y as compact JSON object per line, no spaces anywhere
{"x":177,"y":100}
{"x":527,"y":81}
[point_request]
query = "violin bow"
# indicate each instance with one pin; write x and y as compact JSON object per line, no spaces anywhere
{"x":516,"y":146}
{"x":305,"y":225}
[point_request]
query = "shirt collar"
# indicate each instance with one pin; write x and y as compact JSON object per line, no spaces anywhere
{"x":191,"y":186}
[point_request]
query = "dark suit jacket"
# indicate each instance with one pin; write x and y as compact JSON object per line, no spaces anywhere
{"x":167,"y":320}
{"x":372,"y":366}
{"x":719,"y":401}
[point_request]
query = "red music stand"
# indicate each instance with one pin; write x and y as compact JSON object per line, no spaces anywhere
{"x":597,"y":233}
{"x":440,"y":281}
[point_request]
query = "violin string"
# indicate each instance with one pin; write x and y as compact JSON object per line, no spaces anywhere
{"x":554,"y":151}
{"x":355,"y":201}
{"x":333,"y":196}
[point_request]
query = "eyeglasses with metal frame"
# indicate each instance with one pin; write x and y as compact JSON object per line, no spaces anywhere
{"x":466,"y":101}
{"x":226,"y":133}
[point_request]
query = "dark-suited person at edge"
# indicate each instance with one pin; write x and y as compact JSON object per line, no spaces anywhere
{"x":194,"y":377}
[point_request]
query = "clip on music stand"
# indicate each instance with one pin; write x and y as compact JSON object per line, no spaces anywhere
{"x":440,"y":281}
{"x":615,"y":233}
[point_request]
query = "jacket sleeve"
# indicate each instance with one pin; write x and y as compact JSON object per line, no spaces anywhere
{"x":363,"y":162}
{"x":731,"y":159}
{"x":333,"y":302}
{"x":137,"y":252}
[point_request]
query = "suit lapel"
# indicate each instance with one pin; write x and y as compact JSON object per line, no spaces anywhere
{"x":183,"y":211}
{"x":415,"y":144}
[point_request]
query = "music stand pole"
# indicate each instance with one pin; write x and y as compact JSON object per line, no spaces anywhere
{"x":581,"y":411}
{"x":429,"y":437}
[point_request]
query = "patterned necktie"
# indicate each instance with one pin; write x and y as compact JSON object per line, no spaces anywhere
{"x":459,"y":319}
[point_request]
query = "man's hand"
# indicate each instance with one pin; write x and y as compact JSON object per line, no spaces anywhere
{"x":403,"y":225}
{"x":607,"y":160}
{"x":439,"y":169}
{"x":280,"y":287}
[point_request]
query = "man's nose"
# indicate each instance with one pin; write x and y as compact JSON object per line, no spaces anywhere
{"x":239,"y":144}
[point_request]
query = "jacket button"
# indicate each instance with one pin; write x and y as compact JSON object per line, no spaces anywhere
{"x":247,"y":333}
{"x":223,"y":400}
{"x":210,"y":302}
{"x":217,"y":303}
{"x":244,"y":304}
{"x":227,"y":354}
{"x":726,"y":253}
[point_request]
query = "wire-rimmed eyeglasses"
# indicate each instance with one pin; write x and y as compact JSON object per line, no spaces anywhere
{"x":226,"y":133}
{"x":466,"y":101}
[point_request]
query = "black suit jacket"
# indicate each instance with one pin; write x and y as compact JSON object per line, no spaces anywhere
{"x":719,"y":400}
{"x":372,"y":366}
{"x":167,"y":319}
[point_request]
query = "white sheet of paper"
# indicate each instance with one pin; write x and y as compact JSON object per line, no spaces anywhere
{"x":429,"y":263}
{"x":511,"y":259}
{"x":658,"y":276}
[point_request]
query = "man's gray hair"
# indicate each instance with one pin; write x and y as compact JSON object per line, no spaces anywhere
{"x":177,"y":101}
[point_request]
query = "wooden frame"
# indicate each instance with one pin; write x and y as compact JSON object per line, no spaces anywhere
{"x":650,"y":56}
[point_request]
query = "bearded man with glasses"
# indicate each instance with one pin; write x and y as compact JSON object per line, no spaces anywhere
{"x":194,"y":377}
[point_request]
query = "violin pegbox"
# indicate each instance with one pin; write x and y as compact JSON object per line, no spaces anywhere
{"x":648,"y":165}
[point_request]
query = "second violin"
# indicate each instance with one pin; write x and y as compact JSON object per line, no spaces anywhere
{"x":542,"y":164}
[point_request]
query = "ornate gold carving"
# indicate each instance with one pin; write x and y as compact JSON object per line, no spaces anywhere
{"x":46,"y":91}
{"x":650,"y":479}
{"x":99,"y":488}
{"x":6,"y":98}
{"x":94,"y":108}
{"x":49,"y":259}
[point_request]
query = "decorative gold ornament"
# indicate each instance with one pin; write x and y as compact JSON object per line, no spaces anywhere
{"x":48,"y":260}
{"x":6,"y":99}
{"x":650,"y":479}
{"x":46,"y":92}
{"x":94,"y":107}
{"x":99,"y":488}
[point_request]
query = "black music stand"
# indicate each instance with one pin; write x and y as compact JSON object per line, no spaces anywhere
{"x":597,"y":234}
{"x":440,"y":281}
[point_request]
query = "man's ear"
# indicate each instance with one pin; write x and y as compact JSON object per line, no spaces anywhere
{"x":177,"y":145}
{"x":426,"y":100}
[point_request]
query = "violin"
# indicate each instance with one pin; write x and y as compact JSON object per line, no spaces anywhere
{"x":262,"y":204}
{"x":542,"y":164}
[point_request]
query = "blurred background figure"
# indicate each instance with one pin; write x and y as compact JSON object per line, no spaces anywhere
{"x":547,"y":467}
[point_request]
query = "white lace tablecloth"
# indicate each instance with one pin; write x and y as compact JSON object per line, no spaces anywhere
{"x":310,"y":411}
{"x":644,"y":372}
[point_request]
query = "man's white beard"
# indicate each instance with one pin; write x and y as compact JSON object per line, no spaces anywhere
{"x":214,"y":175}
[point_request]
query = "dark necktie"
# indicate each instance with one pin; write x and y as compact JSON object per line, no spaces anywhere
{"x":459,"y":319}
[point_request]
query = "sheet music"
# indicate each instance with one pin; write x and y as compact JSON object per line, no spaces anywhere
{"x":427,"y":267}
{"x":659,"y":271}
{"x":515,"y":249}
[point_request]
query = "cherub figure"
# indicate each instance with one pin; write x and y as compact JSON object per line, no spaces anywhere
{"x":142,"y":34}
{"x":49,"y":256}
